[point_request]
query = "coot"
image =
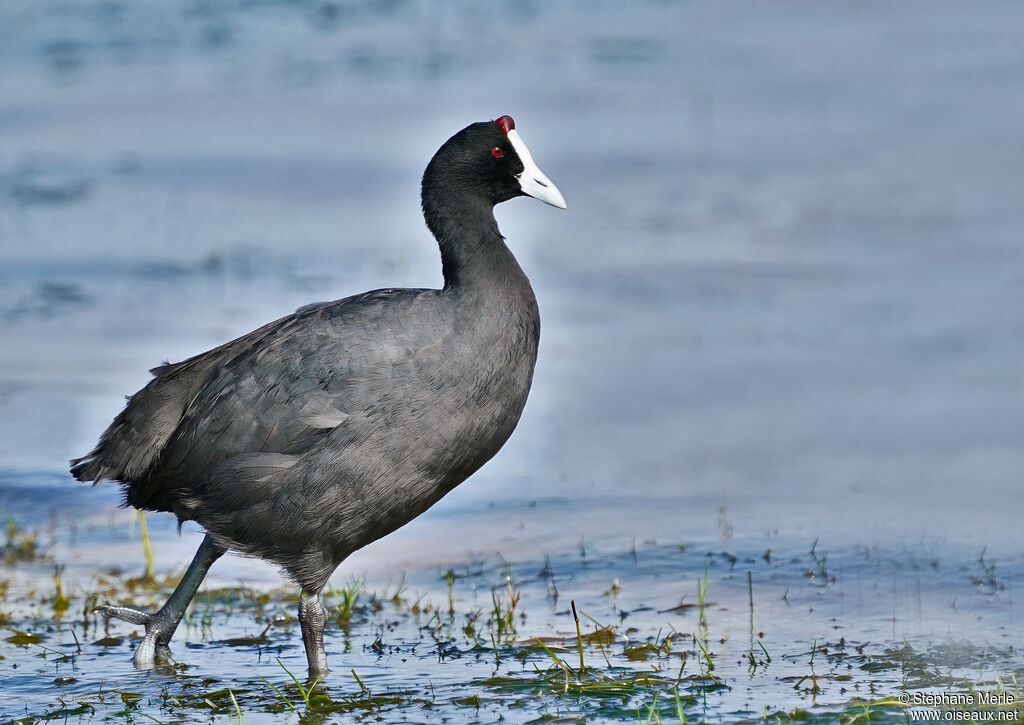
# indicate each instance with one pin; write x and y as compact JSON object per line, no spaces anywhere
{"x":322,"y":431}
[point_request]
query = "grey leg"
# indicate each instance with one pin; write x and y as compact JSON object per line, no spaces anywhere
{"x":160,"y":626}
{"x":313,"y":619}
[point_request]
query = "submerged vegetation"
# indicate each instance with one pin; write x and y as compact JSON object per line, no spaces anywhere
{"x":658,"y":634}
{"x":19,"y":544}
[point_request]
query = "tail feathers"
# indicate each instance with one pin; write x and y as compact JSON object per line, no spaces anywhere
{"x":89,"y":468}
{"x":132,"y":444}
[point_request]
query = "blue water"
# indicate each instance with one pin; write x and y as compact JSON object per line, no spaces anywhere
{"x":787,"y":298}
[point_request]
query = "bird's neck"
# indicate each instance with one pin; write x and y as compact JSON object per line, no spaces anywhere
{"x":473,"y":252}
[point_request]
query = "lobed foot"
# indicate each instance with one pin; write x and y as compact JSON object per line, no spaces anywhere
{"x":160,"y":626}
{"x":159,"y":629}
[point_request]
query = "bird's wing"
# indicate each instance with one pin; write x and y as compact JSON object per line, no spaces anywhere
{"x":139,"y":433}
{"x":276,"y":390}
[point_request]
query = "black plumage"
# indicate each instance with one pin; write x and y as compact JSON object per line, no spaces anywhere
{"x":325,"y":430}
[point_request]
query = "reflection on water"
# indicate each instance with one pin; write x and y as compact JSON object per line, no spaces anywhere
{"x":785,"y":301}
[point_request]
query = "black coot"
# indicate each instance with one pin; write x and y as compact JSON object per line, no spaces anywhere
{"x":318,"y":433}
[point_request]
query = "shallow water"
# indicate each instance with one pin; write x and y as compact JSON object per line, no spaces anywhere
{"x":785,"y":630}
{"x":785,"y":303}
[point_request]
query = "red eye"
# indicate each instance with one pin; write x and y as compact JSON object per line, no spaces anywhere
{"x":497,"y":152}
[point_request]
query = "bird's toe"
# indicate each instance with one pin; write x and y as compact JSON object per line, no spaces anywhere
{"x":125,"y":613}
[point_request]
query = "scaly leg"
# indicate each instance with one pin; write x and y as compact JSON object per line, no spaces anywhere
{"x":161,"y":625}
{"x":313,"y":619}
